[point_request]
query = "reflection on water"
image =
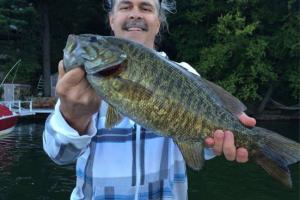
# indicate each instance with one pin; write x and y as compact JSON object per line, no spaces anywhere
{"x":26,"y":172}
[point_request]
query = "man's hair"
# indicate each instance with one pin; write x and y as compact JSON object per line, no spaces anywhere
{"x":165,"y":7}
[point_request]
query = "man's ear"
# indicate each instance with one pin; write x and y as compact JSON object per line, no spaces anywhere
{"x":111,"y":22}
{"x":158,"y":27}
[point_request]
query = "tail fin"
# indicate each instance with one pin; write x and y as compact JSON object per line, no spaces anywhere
{"x":275,"y":153}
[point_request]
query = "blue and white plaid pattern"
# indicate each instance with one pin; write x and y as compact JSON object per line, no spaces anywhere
{"x":107,"y":165}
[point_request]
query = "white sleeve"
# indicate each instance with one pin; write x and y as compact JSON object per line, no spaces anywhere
{"x":61,"y":142}
{"x":209,"y":153}
{"x":188,"y":68}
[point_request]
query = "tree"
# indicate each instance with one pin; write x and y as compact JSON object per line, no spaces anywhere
{"x":19,"y":38}
{"x":245,"y":46}
{"x":43,"y":7}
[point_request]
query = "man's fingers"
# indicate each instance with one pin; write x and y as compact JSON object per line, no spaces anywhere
{"x":218,"y":140}
{"x":75,"y":75}
{"x":241,"y":155}
{"x":223,"y":142}
{"x":246,"y":120}
{"x":61,"y":70}
{"x":71,"y":79}
{"x":228,"y":146}
{"x":209,"y":142}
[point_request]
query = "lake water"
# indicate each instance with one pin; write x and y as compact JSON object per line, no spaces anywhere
{"x":27,"y":173}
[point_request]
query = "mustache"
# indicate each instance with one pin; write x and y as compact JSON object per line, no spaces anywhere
{"x":135,"y":23}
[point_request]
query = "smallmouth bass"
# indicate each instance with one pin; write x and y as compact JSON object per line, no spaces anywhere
{"x":164,"y":97}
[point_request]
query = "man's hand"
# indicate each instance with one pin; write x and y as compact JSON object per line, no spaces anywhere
{"x":78,"y":100}
{"x":223,"y":142}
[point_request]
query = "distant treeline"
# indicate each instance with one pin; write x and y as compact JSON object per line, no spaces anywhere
{"x":250,"y":47}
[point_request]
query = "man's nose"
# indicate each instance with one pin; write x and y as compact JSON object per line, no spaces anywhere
{"x":135,"y":14}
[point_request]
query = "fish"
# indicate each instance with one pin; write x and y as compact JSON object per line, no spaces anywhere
{"x":160,"y":95}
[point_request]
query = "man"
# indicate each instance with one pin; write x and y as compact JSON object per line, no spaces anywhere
{"x":126,"y":162}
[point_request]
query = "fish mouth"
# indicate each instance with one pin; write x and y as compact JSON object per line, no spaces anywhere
{"x":106,"y":66}
{"x":113,"y":70}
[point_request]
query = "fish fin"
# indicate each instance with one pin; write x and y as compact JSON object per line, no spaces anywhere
{"x":134,"y":90}
{"x":231,"y":103}
{"x":275,"y":153}
{"x":113,"y":117}
{"x":193,"y":153}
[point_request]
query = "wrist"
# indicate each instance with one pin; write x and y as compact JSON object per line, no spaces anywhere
{"x":79,"y":123}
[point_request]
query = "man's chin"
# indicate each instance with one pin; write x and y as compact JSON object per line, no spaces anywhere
{"x":135,"y":33}
{"x":137,"y":36}
{"x":141,"y":37}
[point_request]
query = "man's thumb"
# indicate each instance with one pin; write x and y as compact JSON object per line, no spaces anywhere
{"x":61,"y":70}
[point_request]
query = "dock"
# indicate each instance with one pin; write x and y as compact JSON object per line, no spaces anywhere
{"x":24,"y":108}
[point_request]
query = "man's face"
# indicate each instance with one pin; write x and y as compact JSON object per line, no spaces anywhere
{"x":136,"y":20}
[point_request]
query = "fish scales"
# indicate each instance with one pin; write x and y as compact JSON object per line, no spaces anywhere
{"x":165,"y":80}
{"x":192,"y":113}
{"x":181,"y":94}
{"x":167,"y":108}
{"x":167,"y":105}
{"x":162,"y":96}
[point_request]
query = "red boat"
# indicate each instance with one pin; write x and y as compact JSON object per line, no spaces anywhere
{"x":8,"y":120}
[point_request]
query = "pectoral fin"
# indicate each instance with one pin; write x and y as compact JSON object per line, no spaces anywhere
{"x":231,"y":103}
{"x":193,"y":153}
{"x":113,"y":117}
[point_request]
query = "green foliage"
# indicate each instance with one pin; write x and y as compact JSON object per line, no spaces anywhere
{"x":294,"y":82}
{"x":21,"y":32}
{"x":19,"y":39}
{"x":240,"y":44}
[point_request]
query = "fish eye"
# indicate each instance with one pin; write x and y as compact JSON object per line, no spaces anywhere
{"x":93,"y":39}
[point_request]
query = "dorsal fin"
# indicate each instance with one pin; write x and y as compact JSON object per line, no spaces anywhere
{"x":231,"y":103}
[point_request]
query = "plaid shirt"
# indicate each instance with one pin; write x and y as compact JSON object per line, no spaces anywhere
{"x":125,"y":162}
